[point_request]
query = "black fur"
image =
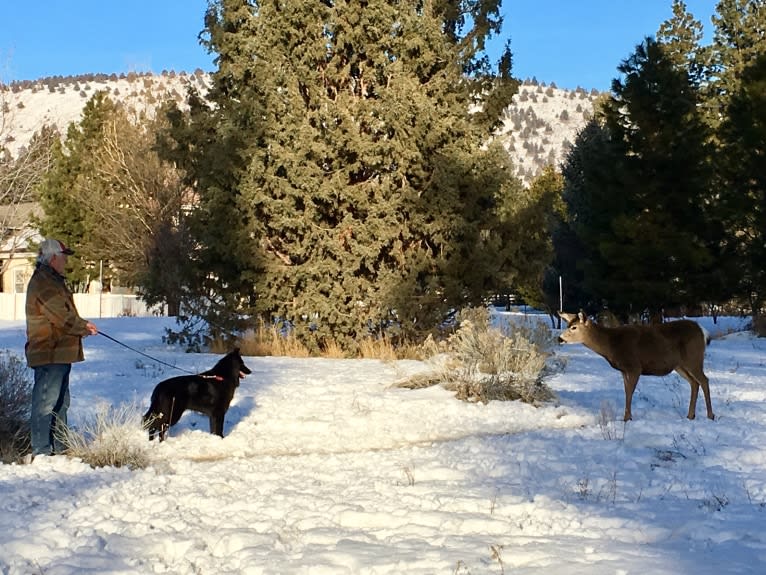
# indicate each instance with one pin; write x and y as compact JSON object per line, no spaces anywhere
{"x":209,"y":393}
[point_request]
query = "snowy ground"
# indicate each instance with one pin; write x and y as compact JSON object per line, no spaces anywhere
{"x":327,"y":469}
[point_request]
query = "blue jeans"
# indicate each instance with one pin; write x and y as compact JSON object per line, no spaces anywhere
{"x":50,"y":401}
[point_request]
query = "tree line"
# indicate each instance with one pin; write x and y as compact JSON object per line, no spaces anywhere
{"x":664,"y":188}
{"x":341,"y":178}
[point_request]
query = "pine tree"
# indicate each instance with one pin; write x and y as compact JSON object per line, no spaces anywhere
{"x":663,"y":245}
{"x":739,"y":39}
{"x":743,"y":183}
{"x":681,"y":36}
{"x":64,"y":218}
{"x":363,"y":194}
{"x":591,"y":173}
{"x":640,"y":201}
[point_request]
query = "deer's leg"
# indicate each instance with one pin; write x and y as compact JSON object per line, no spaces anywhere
{"x":694,"y":392}
{"x":629,"y":380}
{"x":706,"y":391}
{"x":697,"y":378}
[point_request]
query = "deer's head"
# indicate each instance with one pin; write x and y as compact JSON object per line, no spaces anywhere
{"x":577,"y":326}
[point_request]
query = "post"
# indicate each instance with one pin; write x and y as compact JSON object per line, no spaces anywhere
{"x":100,"y":284}
{"x":561,"y":295}
{"x":561,"y":300}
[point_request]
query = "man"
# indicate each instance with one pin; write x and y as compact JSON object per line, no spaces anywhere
{"x":54,"y":342}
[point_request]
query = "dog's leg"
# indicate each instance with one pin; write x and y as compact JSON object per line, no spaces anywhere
{"x":216,"y":424}
{"x":166,"y":423}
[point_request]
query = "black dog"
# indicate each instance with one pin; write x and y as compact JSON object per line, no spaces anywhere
{"x":209,"y":393}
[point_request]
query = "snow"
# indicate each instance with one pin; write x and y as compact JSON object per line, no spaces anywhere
{"x":327,"y":468}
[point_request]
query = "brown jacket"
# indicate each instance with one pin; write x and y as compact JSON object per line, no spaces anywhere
{"x":54,"y":328}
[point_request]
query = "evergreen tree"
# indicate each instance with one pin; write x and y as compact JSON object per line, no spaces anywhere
{"x":639,"y":196}
{"x":681,"y":37}
{"x":591,"y":173}
{"x":739,"y":39}
{"x":209,"y":144}
{"x":64,"y":218}
{"x":110,"y":196}
{"x":662,"y":248}
{"x":540,"y":214}
{"x":363,"y":196}
{"x":743,"y":183}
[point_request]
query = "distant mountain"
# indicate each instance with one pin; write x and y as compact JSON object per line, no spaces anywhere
{"x":542,"y":123}
{"x":539,"y":126}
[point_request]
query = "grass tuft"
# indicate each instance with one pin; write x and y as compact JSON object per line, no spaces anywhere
{"x":112,"y":436}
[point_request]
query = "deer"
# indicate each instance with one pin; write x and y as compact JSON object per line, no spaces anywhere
{"x":637,"y":350}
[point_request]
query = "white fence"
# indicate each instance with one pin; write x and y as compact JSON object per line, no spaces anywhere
{"x":88,"y":306}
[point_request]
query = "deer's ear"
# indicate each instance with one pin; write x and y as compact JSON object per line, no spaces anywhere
{"x":567,"y":317}
{"x":582,"y":317}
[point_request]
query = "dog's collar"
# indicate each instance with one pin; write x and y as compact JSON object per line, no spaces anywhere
{"x":215,"y":377}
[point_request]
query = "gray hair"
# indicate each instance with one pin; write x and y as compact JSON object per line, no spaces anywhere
{"x":51,"y":247}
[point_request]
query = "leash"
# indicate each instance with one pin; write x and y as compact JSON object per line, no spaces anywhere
{"x":107,"y":336}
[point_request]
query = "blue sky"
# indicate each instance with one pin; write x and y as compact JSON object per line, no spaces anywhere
{"x":569,"y":42}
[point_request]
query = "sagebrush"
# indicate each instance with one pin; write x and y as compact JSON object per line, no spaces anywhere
{"x":15,"y":405}
{"x":481,"y":362}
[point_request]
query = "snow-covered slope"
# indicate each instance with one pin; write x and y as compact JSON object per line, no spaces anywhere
{"x":540,"y":125}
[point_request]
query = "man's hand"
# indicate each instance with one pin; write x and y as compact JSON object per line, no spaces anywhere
{"x":91,"y":327}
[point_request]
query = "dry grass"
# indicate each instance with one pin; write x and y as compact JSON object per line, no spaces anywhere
{"x":265,"y":341}
{"x":333,"y":350}
{"x":378,"y":348}
{"x":114,"y":436}
{"x":273,"y":341}
{"x":382,"y":348}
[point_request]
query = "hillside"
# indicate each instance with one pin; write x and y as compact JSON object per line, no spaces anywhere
{"x":540,"y":125}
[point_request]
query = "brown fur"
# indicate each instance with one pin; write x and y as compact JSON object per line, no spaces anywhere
{"x":656,"y":349}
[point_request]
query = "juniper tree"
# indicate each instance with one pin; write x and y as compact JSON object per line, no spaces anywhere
{"x":365,"y":192}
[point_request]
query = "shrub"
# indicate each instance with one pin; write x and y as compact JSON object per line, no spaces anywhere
{"x":482,"y":363}
{"x":15,"y":404}
{"x":113,"y":436}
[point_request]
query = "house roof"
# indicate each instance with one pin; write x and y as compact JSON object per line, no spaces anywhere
{"x":19,"y":215}
{"x":16,"y":229}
